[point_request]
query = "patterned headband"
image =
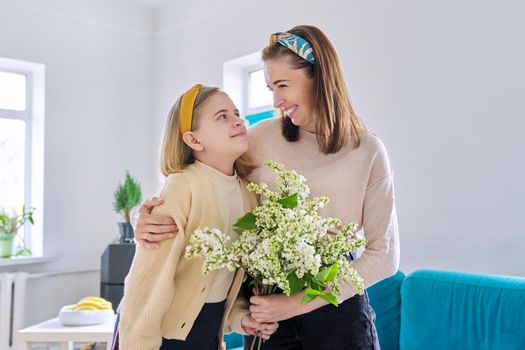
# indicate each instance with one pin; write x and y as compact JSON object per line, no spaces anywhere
{"x":294,"y":43}
{"x":186,"y":108}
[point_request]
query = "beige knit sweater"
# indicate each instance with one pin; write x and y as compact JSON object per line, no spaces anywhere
{"x":359,"y":183}
{"x":164,"y":292}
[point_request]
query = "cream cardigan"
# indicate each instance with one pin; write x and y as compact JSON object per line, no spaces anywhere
{"x":164,"y":292}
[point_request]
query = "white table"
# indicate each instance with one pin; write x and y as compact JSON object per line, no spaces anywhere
{"x":52,"y":331}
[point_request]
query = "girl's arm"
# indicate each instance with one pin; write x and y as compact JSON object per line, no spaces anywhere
{"x":149,"y":286}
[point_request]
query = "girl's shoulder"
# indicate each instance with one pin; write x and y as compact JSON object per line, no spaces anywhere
{"x":175,"y":185}
{"x":185,"y":179}
{"x":181,"y":188}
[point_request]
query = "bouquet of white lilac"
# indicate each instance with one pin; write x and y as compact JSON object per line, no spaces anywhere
{"x":284,"y":243}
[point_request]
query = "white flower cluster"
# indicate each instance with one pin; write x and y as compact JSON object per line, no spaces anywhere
{"x":212,"y":244}
{"x":283,"y":235}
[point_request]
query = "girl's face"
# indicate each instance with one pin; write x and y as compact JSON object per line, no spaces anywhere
{"x":293,"y":91}
{"x":221,"y":131}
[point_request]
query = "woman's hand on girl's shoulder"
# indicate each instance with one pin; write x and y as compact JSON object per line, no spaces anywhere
{"x":151,"y":229}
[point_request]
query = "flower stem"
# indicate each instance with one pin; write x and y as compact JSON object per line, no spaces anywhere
{"x":255,"y":338}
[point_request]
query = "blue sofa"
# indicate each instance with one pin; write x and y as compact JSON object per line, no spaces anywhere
{"x":431,"y":309}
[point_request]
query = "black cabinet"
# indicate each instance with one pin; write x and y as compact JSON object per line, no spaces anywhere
{"x":115,"y":263}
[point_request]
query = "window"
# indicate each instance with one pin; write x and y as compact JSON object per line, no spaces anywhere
{"x":21,"y":143}
{"x":243,"y":80}
{"x":12,"y":139}
{"x":259,"y":98}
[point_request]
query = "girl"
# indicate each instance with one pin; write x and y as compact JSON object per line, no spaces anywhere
{"x":321,"y":138}
{"x":168,"y":303}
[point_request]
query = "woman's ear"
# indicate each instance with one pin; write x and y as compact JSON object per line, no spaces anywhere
{"x":192,"y":141}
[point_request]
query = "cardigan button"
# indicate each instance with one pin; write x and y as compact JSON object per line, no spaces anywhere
{"x":183,"y":325}
{"x":203,"y":289}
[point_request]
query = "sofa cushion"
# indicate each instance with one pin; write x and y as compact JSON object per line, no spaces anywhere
{"x":451,"y":310}
{"x":233,"y":341}
{"x":385,"y":298}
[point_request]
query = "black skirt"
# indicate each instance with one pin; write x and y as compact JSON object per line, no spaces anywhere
{"x":203,"y":335}
{"x":351,"y":326}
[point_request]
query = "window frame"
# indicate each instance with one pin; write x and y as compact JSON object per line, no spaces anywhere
{"x":33,"y":116}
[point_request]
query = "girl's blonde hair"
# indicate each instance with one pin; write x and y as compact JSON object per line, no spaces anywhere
{"x":175,"y":153}
{"x":336,"y":121}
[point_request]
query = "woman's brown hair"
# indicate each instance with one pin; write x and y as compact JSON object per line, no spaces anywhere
{"x":336,"y":123}
{"x":175,"y":153}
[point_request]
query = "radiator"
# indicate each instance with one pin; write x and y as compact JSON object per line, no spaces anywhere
{"x":12,"y":295}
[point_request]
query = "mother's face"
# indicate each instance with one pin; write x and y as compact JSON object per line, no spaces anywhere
{"x":293,"y":91}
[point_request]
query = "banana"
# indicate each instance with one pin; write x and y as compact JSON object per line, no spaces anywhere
{"x":85,"y":307}
{"x":99,"y":299}
{"x":107,"y":305}
{"x":93,"y":303}
{"x":99,"y":303}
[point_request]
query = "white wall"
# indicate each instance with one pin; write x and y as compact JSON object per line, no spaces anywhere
{"x":440,"y":82}
{"x":99,"y":122}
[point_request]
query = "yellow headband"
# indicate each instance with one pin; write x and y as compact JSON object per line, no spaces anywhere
{"x":186,"y":108}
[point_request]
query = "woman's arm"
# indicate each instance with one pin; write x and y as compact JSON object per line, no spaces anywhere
{"x":279,"y":307}
{"x":150,"y":229}
{"x":380,"y":259}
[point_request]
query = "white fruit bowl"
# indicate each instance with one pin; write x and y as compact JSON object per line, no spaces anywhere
{"x":69,"y":317}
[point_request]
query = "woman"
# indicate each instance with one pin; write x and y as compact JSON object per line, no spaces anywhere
{"x":321,"y":138}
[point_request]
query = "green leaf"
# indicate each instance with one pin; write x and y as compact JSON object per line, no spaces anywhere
{"x":289,"y":202}
{"x":309,"y":295}
{"x":330,"y":298}
{"x":296,"y":283}
{"x":306,"y":299}
{"x":24,"y":252}
{"x":247,"y":222}
{"x":312,"y":292}
{"x":328,"y":274}
{"x":316,"y":284}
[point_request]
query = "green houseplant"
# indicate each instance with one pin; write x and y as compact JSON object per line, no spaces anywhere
{"x":126,"y":197}
{"x":10,"y":223}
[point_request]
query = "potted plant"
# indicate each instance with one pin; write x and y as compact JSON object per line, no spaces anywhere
{"x":126,"y":196}
{"x":10,"y":223}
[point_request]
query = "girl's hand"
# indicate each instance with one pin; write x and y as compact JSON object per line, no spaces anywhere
{"x":151,"y":229}
{"x":252,"y":327}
